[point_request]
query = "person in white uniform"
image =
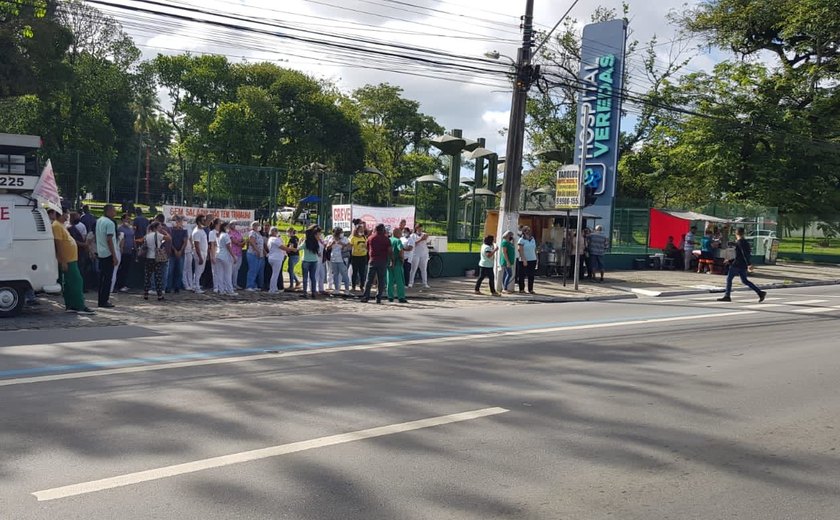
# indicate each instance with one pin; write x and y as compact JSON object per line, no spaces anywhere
{"x":276,"y":256}
{"x":420,"y":258}
{"x":224,"y":261}
{"x":199,"y":240}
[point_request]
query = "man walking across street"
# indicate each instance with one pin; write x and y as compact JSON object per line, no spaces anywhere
{"x":67,"y":254}
{"x":740,"y":266}
{"x":106,"y":253}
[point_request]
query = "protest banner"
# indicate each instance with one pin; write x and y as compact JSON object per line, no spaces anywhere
{"x":344,"y":214}
{"x":190,"y":213}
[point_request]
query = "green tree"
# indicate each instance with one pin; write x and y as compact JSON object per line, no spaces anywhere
{"x":752,"y":132}
{"x":32,"y":44}
{"x":393,"y":129}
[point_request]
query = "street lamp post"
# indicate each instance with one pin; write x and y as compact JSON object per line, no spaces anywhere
{"x":366,"y":169}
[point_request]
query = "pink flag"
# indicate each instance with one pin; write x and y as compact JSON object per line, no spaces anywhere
{"x":46,"y":191}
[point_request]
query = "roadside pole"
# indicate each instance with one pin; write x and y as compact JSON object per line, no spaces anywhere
{"x":509,"y":206}
{"x":581,"y":178}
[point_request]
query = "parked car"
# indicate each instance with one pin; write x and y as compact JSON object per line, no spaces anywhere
{"x":285,"y":213}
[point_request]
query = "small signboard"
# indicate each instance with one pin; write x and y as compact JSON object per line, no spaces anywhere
{"x":568,"y":188}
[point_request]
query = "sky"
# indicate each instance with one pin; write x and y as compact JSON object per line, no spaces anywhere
{"x":479,"y":104}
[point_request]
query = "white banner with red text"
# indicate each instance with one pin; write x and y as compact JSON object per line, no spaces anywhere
{"x":189,"y":213}
{"x":343,"y":216}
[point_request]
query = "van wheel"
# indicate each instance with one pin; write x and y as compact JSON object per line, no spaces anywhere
{"x":11,"y":300}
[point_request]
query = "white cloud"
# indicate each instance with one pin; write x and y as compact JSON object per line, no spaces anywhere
{"x":476,"y":105}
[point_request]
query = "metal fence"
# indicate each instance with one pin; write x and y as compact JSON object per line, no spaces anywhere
{"x":91,"y":178}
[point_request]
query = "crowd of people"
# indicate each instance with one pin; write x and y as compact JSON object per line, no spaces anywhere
{"x":98,"y":253}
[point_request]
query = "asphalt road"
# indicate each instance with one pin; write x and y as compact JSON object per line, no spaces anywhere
{"x":640,"y":409}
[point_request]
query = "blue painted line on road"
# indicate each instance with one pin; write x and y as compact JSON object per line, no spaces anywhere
{"x":456,"y":333}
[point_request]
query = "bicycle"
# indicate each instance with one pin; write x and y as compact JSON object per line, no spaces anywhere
{"x":435,"y":267}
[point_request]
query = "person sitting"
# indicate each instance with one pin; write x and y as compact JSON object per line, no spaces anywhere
{"x":672,"y":251}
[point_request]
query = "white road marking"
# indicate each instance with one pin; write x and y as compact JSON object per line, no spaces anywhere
{"x":366,"y":346}
{"x":807,"y":302}
{"x":263,"y":453}
{"x":764,"y":305}
{"x":816,"y":310}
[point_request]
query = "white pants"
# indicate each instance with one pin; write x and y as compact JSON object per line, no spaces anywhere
{"x":234,"y":275}
{"x":214,"y":268}
{"x":188,"y":270}
{"x":329,"y":274}
{"x":223,"y":267}
{"x":421,"y":262}
{"x":320,"y":275}
{"x":116,"y":268}
{"x":199,"y":270}
{"x":276,"y":264}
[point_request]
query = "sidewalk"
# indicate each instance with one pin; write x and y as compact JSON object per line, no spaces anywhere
{"x":646,"y":283}
{"x":131,"y":309}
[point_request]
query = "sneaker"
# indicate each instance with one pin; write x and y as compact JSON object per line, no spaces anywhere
{"x":761,"y":296}
{"x":251,"y":289}
{"x":403,"y":300}
{"x":725,"y":299}
{"x":364,"y":300}
{"x":390,"y":300}
{"x":477,"y":292}
{"x":106,"y":305}
{"x":232,"y":293}
{"x":86,"y":310}
{"x":496,"y":294}
{"x":123,"y":289}
{"x":198,"y":291}
{"x":411,"y":286}
{"x":426,"y":286}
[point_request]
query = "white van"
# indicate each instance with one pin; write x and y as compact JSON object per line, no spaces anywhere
{"x":27,"y":249}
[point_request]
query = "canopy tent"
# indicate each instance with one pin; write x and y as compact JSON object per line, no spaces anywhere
{"x":674,"y":224}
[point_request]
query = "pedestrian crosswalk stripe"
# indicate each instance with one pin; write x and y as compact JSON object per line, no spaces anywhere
{"x":764,"y":305}
{"x":816,"y":310}
{"x":807,"y":302}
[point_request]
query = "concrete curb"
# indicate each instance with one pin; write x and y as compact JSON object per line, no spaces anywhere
{"x":687,"y":292}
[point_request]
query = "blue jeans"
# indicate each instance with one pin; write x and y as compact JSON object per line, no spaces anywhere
{"x":175,"y":273}
{"x":507,"y":276}
{"x":742,"y":272}
{"x":256,"y":265}
{"x":310,"y":273}
{"x":293,"y":279}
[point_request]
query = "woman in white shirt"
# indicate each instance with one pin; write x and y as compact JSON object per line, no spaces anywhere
{"x":336,"y":246}
{"x":188,"y":261}
{"x":153,"y":241}
{"x":276,"y":256}
{"x":420,"y":256}
{"x":224,"y":261}
{"x":213,"y":251}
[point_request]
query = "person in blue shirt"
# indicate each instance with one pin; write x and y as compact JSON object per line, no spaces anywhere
{"x":527,"y":246}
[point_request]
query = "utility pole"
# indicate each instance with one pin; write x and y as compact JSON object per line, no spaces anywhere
{"x":525,"y":76}
{"x":581,"y":196}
